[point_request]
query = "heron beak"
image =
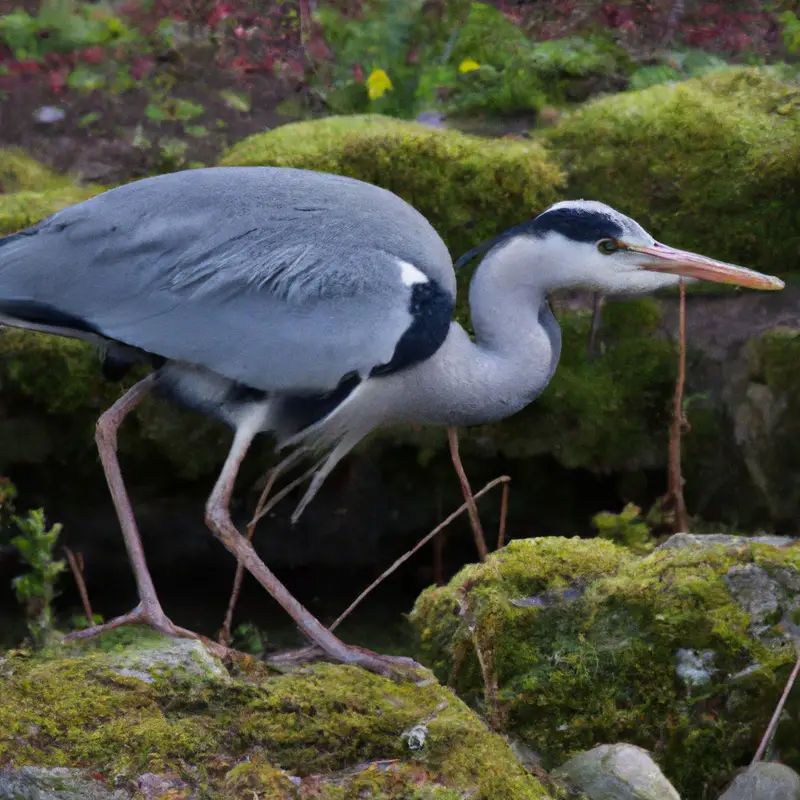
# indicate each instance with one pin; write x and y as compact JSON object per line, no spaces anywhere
{"x":661,"y":258}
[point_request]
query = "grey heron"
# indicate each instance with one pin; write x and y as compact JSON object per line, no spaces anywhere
{"x":315,"y":307}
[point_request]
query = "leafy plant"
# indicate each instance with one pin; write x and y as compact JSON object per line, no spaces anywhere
{"x":627,"y":528}
{"x":60,"y":28}
{"x":677,"y":65}
{"x":391,"y":59}
{"x":249,"y":639}
{"x":790,"y":30}
{"x":37,"y":589}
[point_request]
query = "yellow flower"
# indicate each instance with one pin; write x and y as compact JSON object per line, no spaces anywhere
{"x":378,"y":83}
{"x":468,"y":65}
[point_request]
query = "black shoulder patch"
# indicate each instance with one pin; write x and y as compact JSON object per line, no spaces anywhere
{"x":431,"y":310}
{"x":300,"y":411}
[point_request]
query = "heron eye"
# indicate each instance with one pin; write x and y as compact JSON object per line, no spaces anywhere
{"x":607,"y":246}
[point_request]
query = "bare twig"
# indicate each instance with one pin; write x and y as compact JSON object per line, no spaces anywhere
{"x":675,"y":479}
{"x":76,"y":565}
{"x":486,"y":662}
{"x":421,"y":543}
{"x":773,"y":723}
{"x":501,"y":532}
{"x":225,"y":634}
{"x":474,"y":519}
{"x":597,"y":314}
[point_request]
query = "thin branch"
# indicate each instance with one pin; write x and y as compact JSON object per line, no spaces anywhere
{"x":76,"y":565}
{"x":597,"y":315}
{"x":501,"y":532}
{"x":474,"y":519}
{"x":422,"y":542}
{"x":773,"y":723}
{"x":486,"y":662}
{"x":225,"y":634}
{"x":675,"y":479}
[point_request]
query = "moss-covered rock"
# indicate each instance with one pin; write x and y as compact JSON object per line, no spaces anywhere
{"x":19,"y":173}
{"x":711,"y":164}
{"x":338,"y":730}
{"x":469,"y":188}
{"x":22,"y":209}
{"x":683,"y":652}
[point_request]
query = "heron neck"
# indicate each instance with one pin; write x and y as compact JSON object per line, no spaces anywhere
{"x":516,"y":348}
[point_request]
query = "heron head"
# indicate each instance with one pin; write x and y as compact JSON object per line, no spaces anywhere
{"x":610,"y":252}
{"x":584,"y":243}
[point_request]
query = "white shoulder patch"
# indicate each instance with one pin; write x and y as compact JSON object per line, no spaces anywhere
{"x":410,"y":275}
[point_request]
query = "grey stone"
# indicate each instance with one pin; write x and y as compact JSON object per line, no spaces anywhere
{"x":754,"y":591}
{"x":58,"y":783}
{"x":706,"y":540}
{"x":156,"y":657}
{"x":693,"y":668}
{"x":765,"y":780}
{"x":617,"y":772}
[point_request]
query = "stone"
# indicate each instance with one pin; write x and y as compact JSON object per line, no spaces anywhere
{"x":253,"y":732}
{"x":706,"y":540}
{"x":629,"y":658}
{"x":765,"y":780}
{"x":55,"y":783}
{"x":617,"y":772}
{"x":156,"y":656}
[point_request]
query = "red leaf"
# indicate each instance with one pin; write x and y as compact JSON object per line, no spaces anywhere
{"x":57,"y":79}
{"x":140,"y":66}
{"x":358,"y":74}
{"x":93,"y":55}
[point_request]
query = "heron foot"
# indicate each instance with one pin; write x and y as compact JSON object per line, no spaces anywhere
{"x":399,"y":668}
{"x":153,"y":615}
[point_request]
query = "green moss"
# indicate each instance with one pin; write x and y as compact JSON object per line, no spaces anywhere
{"x":18,"y":173}
{"x":249,"y":734}
{"x":469,"y":188}
{"x":597,"y":663}
{"x":711,"y":164}
{"x":25,"y":208}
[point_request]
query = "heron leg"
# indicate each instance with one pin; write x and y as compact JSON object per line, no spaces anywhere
{"x":149,"y":610}
{"x":219,"y":521}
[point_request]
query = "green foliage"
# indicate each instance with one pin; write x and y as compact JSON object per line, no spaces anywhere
{"x":790,"y":30}
{"x":711,"y":164}
{"x":627,"y":528}
{"x":248,"y":638}
{"x":62,"y":26}
{"x":584,"y":639}
{"x":36,"y":589}
{"x":517,"y":74}
{"x":677,"y":65}
{"x":231,"y":738}
{"x":469,"y":188}
{"x":408,"y":41}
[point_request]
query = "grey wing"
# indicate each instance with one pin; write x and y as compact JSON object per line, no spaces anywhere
{"x":272,"y":293}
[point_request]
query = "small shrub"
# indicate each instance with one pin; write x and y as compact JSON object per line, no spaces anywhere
{"x":36,"y":589}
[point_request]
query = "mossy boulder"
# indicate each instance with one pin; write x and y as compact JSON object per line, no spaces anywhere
{"x":323,"y":731}
{"x":711,"y":164}
{"x":468,"y":187}
{"x":683,"y":652}
{"x":19,"y":172}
